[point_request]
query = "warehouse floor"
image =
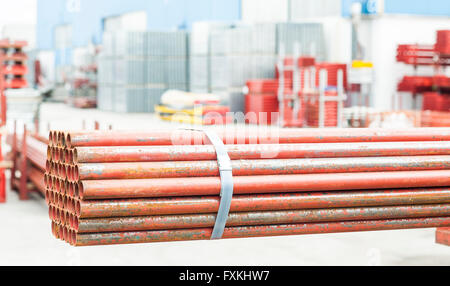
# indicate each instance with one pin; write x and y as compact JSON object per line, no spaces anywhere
{"x":27,"y":240}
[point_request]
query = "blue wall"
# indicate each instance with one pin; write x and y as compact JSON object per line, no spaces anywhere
{"x":170,"y":14}
{"x":418,"y":7}
{"x":414,"y":7}
{"x":161,"y":14}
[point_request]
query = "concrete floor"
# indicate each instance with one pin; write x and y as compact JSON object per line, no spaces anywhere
{"x":25,"y":235}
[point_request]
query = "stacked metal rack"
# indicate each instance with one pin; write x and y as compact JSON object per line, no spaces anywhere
{"x":319,"y":87}
{"x":136,"y":68}
{"x":84,"y":77}
{"x":261,"y":100}
{"x":13,"y":70}
{"x":12,"y":76}
{"x":14,"y":67}
{"x":225,"y":57}
{"x":2,"y":92}
{"x":434,"y":89}
{"x":28,"y":156}
{"x":442,"y":48}
{"x":304,"y":94}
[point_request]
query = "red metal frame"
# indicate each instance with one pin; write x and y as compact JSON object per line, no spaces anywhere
{"x":2,"y":123}
{"x":443,"y":236}
{"x":23,"y":188}
{"x":19,"y":163}
{"x":14,"y":157}
{"x":22,"y":163}
{"x":2,"y":91}
{"x":2,"y":179}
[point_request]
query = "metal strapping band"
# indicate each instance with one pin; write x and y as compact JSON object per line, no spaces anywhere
{"x":226,"y":182}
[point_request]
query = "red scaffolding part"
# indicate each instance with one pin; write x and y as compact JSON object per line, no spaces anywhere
{"x":443,"y":236}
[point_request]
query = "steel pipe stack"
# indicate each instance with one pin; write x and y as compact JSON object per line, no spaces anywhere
{"x":36,"y":155}
{"x":127,"y":187}
{"x":29,"y":155}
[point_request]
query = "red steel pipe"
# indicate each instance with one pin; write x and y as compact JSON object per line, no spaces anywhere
{"x":35,"y":150}
{"x":147,"y":170}
{"x":255,"y":231}
{"x":200,"y":186}
{"x":137,"y":181}
{"x":443,"y":236}
{"x":268,"y":136}
{"x":259,"y":218}
{"x":37,"y":177}
{"x":263,"y":151}
{"x":267,"y":202}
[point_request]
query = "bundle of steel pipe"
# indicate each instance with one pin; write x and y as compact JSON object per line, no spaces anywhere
{"x":126,"y":187}
{"x":30,"y":159}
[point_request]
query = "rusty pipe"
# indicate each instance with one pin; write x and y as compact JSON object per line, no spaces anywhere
{"x":262,"y":151}
{"x":255,"y":231}
{"x":200,"y":186}
{"x":141,"y":223}
{"x":36,"y":152}
{"x":147,"y":170}
{"x":36,"y":176}
{"x":267,"y":202}
{"x":236,"y":136}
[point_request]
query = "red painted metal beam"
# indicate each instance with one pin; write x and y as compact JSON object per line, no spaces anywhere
{"x":14,"y":153}
{"x":443,"y":236}
{"x":275,"y":136}
{"x":262,"y":151}
{"x":147,"y":170}
{"x":23,"y":188}
{"x":150,"y":188}
{"x":36,"y":176}
{"x":267,"y":202}
{"x":252,"y":231}
{"x":259,"y":218}
{"x":198,"y":186}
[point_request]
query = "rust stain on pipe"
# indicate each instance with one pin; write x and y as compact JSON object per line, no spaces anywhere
{"x":147,"y":170}
{"x":256,"y":231}
{"x":259,"y":218}
{"x":283,"y":136}
{"x":262,"y":151}
{"x":168,"y":187}
{"x":246,"y":203}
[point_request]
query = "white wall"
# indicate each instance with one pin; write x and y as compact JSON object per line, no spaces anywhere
{"x":23,"y":32}
{"x":285,"y":10}
{"x":387,"y":32}
{"x":379,"y":35}
{"x":337,"y":30}
{"x":133,"y":21}
{"x":264,"y":11}
{"x":301,"y":9}
{"x":18,"y":19}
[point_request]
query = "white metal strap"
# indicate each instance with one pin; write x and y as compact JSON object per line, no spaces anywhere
{"x":226,"y":182}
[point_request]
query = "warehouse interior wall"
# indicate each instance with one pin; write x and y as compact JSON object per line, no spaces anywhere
{"x":134,"y":21}
{"x":256,"y":11}
{"x":288,"y":10}
{"x":18,"y":22}
{"x":380,"y":33}
{"x":87,"y":16}
{"x":387,"y":32}
{"x":397,"y":7}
